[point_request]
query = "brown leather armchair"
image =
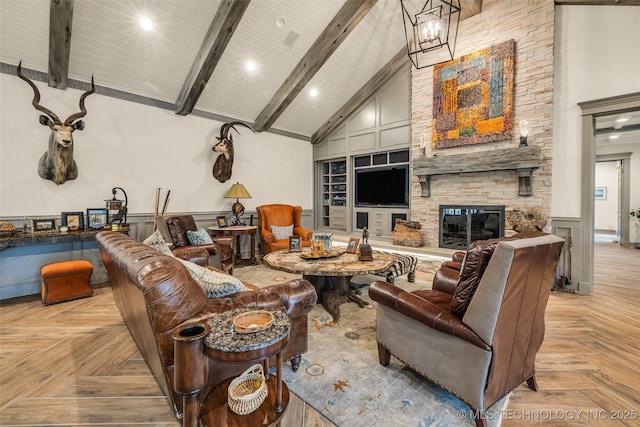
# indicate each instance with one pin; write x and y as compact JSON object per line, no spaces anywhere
{"x":222,"y":247}
{"x":480,"y":342}
{"x":280,"y":215}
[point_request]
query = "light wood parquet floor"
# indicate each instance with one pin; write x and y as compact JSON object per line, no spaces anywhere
{"x":76,"y":364}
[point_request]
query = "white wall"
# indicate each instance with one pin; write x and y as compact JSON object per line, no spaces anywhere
{"x":596,"y":56}
{"x":139,"y":148}
{"x":606,"y":211}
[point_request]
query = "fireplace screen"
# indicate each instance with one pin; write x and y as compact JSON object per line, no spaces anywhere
{"x":461,"y":225}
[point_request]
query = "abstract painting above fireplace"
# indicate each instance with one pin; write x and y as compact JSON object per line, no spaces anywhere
{"x":462,"y":224}
{"x":473,"y":97}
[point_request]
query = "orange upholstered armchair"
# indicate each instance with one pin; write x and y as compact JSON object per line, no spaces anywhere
{"x":276,"y":223}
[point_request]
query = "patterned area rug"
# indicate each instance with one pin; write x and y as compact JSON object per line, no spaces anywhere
{"x":340,"y":375}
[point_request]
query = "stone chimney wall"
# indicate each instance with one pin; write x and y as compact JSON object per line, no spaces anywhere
{"x":531,"y":25}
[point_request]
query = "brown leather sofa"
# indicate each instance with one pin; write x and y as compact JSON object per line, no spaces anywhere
{"x":222,"y":247}
{"x":479,"y":342}
{"x":280,"y":215}
{"x":156,"y":296}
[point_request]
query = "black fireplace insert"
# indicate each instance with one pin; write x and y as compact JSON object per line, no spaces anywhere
{"x":462,"y":224}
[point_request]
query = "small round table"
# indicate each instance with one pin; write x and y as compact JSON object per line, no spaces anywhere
{"x":237,"y":231}
{"x":226,"y":345}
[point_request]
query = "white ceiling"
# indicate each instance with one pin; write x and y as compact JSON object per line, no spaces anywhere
{"x":622,"y":128}
{"x":108,"y":43}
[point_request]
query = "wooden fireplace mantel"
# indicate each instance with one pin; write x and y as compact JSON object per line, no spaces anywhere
{"x":521,"y":159}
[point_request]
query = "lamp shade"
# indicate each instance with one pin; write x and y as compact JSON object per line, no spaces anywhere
{"x":237,"y":191}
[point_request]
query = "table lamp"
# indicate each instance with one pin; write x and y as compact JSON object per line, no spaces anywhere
{"x":237,"y":191}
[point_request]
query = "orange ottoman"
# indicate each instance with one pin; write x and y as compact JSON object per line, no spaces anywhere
{"x":66,"y":281}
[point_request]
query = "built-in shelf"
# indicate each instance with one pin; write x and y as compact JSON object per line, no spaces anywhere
{"x":522,"y":159}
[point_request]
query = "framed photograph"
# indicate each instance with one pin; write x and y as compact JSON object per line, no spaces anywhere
{"x":601,"y":193}
{"x":43,"y":226}
{"x":97,"y":218}
{"x":352,"y":246}
{"x":295,"y":244}
{"x":222,"y":221}
{"x":73,"y":220}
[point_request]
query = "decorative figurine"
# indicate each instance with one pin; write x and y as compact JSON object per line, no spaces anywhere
{"x":365,"y":254}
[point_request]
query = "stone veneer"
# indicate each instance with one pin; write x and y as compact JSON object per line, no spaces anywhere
{"x":531,"y":25}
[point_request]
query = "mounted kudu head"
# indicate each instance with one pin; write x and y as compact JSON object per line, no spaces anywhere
{"x":57,"y":163}
{"x":224,"y":162}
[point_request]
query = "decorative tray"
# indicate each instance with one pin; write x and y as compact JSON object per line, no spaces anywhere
{"x":252,"y":321}
{"x":322,"y":255}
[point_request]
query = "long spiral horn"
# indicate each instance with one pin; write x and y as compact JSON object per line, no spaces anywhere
{"x":36,"y":97}
{"x":83,"y":111}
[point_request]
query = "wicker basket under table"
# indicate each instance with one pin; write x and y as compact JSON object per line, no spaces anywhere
{"x":215,"y":409}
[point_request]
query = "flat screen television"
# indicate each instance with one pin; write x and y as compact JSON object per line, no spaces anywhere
{"x":384,"y":186}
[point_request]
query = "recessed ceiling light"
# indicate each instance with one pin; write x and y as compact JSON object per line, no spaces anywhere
{"x":622,"y":119}
{"x":614,"y":136}
{"x":313,"y":92}
{"x":146,"y":23}
{"x":251,"y":66}
{"x":280,"y":22}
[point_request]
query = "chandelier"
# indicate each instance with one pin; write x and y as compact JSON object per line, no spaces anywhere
{"x":431,"y":31}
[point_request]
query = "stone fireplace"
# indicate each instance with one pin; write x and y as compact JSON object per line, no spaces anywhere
{"x":462,"y":224}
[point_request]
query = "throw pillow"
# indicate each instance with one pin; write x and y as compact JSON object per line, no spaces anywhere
{"x":199,"y":237}
{"x":282,"y":232}
{"x":156,"y":241}
{"x":475,"y":263}
{"x":215,"y":284}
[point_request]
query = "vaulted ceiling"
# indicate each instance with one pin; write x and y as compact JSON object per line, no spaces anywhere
{"x":194,"y":60}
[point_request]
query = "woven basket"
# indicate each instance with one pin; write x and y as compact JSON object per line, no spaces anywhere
{"x":248,"y":391}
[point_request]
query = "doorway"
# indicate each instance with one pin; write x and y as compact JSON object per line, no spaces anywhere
{"x":607,"y":201}
{"x":591,"y":112}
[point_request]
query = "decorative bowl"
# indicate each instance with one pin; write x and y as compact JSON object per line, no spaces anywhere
{"x":252,"y":321}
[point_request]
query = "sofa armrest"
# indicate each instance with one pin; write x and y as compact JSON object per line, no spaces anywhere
{"x":195,"y":254}
{"x":446,"y":280}
{"x":303,"y":232}
{"x":458,"y":256}
{"x":423,"y":311}
{"x":223,"y":241}
{"x":296,"y":296}
{"x":267,"y":237}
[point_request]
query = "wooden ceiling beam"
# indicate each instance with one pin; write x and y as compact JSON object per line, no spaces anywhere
{"x":345,"y":21}
{"x":60,"y":20}
{"x":374,"y":84}
{"x":215,"y":42}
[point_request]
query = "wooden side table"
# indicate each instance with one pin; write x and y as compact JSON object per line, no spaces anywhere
{"x":225,"y":345}
{"x":237,"y":231}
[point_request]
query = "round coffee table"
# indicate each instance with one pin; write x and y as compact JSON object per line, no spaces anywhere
{"x":330,"y":276}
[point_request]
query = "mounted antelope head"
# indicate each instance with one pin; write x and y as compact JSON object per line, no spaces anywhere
{"x":57,"y":163}
{"x":224,"y":162}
